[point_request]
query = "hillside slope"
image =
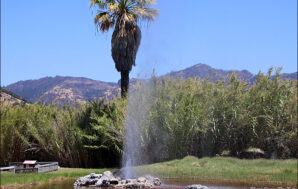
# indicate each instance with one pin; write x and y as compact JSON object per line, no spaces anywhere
{"x":80,"y":90}
{"x":203,"y":71}
{"x":9,"y":98}
{"x":72,"y":89}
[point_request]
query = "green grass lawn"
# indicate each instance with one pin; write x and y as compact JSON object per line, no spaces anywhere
{"x":218,"y":168}
{"x":8,"y":178}
{"x":264,"y":170}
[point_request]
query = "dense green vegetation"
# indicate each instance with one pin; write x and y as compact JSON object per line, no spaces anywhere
{"x":74,"y":136}
{"x":183,"y":117}
{"x":8,"y":178}
{"x":201,"y":118}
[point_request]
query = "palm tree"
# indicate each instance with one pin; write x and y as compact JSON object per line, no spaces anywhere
{"x":123,"y":16}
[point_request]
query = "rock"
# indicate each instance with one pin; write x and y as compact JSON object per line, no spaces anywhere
{"x":128,"y":181}
{"x":141,"y":179}
{"x":156,"y":182}
{"x":95,"y":176}
{"x":107,"y":179}
{"x":148,"y":184}
{"x":119,"y":173}
{"x":196,"y":186}
{"x":87,"y":180}
{"x":114,"y":181}
{"x":81,"y":182}
{"x":132,"y":185}
{"x":104,"y":181}
{"x":122,"y":182}
{"x":108,"y":174}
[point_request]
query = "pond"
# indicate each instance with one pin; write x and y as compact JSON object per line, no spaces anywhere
{"x":167,"y":184}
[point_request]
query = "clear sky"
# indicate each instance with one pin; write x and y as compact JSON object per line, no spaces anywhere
{"x":58,"y":37}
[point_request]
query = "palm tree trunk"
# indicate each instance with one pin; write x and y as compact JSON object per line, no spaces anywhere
{"x":124,"y":83}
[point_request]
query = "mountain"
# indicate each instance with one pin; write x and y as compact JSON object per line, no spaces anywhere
{"x":203,"y":71}
{"x":9,"y":98}
{"x":292,"y":76}
{"x":80,"y":90}
{"x":72,"y":89}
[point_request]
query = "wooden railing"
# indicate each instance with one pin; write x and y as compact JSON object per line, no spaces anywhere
{"x":50,"y":166}
{"x":10,"y":168}
{"x":41,"y":167}
{"x":26,"y":170}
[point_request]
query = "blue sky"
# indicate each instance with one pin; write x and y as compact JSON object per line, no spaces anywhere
{"x":49,"y":38}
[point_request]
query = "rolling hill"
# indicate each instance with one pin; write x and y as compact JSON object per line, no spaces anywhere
{"x":81,"y":90}
{"x":203,"y":71}
{"x":72,"y":89}
{"x":10,"y":99}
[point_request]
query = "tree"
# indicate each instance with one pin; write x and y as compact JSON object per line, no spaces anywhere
{"x":123,"y":16}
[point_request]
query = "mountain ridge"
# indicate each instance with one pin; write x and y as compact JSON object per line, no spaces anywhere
{"x":8,"y":98}
{"x":203,"y":71}
{"x":81,"y":89}
{"x":73,"y":89}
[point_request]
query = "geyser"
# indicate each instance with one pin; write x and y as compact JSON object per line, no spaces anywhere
{"x":137,"y":109}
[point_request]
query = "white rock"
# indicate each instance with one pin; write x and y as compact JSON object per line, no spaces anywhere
{"x":107,"y":179}
{"x":196,"y":186}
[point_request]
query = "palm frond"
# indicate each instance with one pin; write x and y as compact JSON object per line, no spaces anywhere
{"x":145,"y":3}
{"x":113,"y":7}
{"x":130,"y":11}
{"x":99,"y":3}
{"x":104,"y":21}
{"x":146,"y":13}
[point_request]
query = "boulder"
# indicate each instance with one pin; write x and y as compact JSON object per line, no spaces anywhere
{"x":95,"y":176}
{"x":87,"y":180}
{"x":107,"y":179}
{"x":142,"y":179}
{"x":196,"y":186}
{"x":156,"y":182}
{"x":114,"y":181}
{"x":132,"y":184}
{"x":108,"y":174}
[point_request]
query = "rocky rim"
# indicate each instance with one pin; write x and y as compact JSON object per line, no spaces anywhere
{"x":107,"y":179}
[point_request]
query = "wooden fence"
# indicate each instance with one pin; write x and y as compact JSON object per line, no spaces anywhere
{"x":40,"y":167}
{"x":10,"y":168}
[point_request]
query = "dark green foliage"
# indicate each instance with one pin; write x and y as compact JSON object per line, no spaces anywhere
{"x":102,"y":128}
{"x":39,"y":132}
{"x":201,"y":118}
{"x":273,"y":111}
{"x":60,"y":133}
{"x":183,"y":117}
